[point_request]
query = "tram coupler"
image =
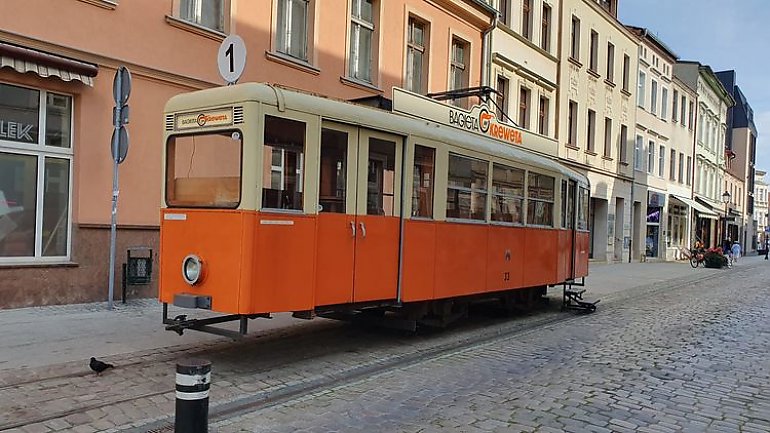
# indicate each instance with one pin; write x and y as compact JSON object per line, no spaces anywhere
{"x":181,"y":323}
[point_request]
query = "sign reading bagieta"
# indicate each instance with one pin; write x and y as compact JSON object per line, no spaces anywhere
{"x":204,"y":119}
{"x":478,"y":119}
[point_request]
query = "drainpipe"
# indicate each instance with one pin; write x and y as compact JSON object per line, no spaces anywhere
{"x":486,"y":51}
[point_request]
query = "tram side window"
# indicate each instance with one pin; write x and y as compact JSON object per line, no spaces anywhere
{"x":582,"y":223}
{"x":568,"y":204}
{"x":507,"y":194}
{"x":540,"y":192}
{"x":334,"y":160}
{"x":422,"y":188}
{"x":283,"y":163}
{"x":467,"y":188}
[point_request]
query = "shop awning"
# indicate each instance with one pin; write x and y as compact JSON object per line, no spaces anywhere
{"x":46,"y":65}
{"x":702,"y":210}
{"x":705,"y":211}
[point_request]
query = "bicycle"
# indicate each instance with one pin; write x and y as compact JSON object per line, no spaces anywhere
{"x":695,"y":258}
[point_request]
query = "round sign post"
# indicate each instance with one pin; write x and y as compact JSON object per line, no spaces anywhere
{"x":231,"y":58}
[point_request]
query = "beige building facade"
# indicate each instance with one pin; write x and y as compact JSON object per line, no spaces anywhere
{"x":597,"y":83}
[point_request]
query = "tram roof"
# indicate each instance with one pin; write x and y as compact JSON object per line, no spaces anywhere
{"x":365,"y":116}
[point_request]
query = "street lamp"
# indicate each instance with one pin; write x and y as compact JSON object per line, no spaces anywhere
{"x":726,"y":201}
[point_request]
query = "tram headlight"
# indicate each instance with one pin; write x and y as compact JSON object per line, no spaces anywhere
{"x":192,"y":269}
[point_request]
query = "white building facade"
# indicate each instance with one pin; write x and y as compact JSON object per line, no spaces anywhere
{"x":761,"y":209}
{"x":596,"y":94}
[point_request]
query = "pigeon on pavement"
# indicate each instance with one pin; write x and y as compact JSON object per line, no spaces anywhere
{"x":99,"y":366}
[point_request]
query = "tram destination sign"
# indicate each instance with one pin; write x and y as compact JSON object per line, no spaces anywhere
{"x":479,"y":120}
{"x":204,"y":119}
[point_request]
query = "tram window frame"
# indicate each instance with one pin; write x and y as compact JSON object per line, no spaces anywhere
{"x":334,"y":143}
{"x":293,"y":204}
{"x":423,"y":188}
{"x":455,"y":190}
{"x":499,"y":193}
{"x":583,"y":205}
{"x":170,"y":188}
{"x":537,"y":199}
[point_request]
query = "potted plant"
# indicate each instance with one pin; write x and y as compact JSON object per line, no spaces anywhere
{"x":714,"y":258}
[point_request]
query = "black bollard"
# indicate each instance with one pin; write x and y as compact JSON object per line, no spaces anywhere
{"x":193,"y":379}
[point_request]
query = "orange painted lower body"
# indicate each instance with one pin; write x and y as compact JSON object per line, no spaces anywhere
{"x":262,"y":263}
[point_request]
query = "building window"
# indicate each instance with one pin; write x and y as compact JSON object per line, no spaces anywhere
{"x":416,"y":52}
{"x":540,"y":195}
{"x":681,"y":167}
{"x":654,"y":97}
{"x":542,"y":122}
{"x":650,"y":157}
{"x":466,"y":196}
{"x":623,"y":147}
{"x":422,"y":191}
{"x":626,"y":66}
{"x":205,"y":13}
{"x":610,"y":62}
{"x":545,"y":31}
{"x":459,"y":68}
{"x":524,"y":102}
{"x":507,"y":194}
{"x":691,"y":116}
{"x":683,"y":109}
{"x":638,"y":145}
{"x":675,"y":108}
{"x":689,"y":169}
{"x":362,"y":30}
{"x":526,"y":19}
{"x":640,"y":91}
{"x":661,"y":161}
{"x":664,"y":103}
{"x":292,"y":28}
{"x":575,"y":46}
{"x":607,"y":137}
{"x":505,"y":16}
{"x":591,"y":146}
{"x":572,"y":120}
{"x":501,"y":98}
{"x":594,"y":66}
{"x":35,"y":171}
{"x":672,"y":163}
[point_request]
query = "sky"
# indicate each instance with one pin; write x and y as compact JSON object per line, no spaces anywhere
{"x":722,"y":34}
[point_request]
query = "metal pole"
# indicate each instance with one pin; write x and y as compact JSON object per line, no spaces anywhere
{"x":115,"y":193}
{"x":193,"y":380}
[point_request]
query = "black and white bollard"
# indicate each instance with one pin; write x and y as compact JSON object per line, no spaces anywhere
{"x":193,"y":379}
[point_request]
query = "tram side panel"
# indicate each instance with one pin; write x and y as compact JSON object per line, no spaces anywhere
{"x":418,"y":281}
{"x":582,"y":240}
{"x":461,"y":259}
{"x":506,"y":257}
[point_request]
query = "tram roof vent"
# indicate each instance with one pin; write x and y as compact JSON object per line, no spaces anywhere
{"x":169,"y":122}
{"x":237,"y":115}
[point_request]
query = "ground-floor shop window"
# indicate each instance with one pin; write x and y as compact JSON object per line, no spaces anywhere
{"x":35,"y":173}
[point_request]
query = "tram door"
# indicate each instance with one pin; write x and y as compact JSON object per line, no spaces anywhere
{"x":572,"y":202}
{"x":358,"y":222}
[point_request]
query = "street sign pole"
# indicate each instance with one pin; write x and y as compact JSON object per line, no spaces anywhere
{"x":121,"y":89}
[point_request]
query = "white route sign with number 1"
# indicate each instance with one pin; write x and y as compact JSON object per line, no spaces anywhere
{"x":231,"y":58}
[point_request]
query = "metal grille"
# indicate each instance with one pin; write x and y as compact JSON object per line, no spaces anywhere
{"x":237,"y":115}
{"x":169,"y":122}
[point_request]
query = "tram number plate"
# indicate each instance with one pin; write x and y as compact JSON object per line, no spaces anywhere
{"x":506,"y":276}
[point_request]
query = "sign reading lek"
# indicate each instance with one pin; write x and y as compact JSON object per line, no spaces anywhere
{"x":16,"y":131}
{"x":204,"y":119}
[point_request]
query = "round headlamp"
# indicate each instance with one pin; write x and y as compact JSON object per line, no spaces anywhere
{"x":192,"y":269}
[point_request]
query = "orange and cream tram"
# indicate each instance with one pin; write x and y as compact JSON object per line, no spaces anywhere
{"x":279,"y":201}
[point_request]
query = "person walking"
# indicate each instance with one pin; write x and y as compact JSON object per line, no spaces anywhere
{"x":767,"y":245}
{"x":736,"y":250}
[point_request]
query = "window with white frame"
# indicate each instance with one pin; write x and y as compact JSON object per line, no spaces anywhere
{"x":651,"y":157}
{"x":640,"y":90}
{"x":362,"y":30}
{"x":416,"y":53}
{"x":292,"y":28}
{"x":638,"y":144}
{"x":663,"y":103}
{"x":661,"y":161}
{"x":654,"y":97}
{"x":458,"y":70}
{"x":35,"y":173}
{"x":205,"y":13}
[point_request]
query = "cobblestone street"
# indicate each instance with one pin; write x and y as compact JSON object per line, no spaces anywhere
{"x":690,"y":359}
{"x":671,"y":348}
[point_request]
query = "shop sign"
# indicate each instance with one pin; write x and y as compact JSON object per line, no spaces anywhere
{"x":655,"y":199}
{"x":478,"y":119}
{"x":16,"y":131}
{"x":204,"y":119}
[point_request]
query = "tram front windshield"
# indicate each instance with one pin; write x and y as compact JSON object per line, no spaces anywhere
{"x":204,"y":170}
